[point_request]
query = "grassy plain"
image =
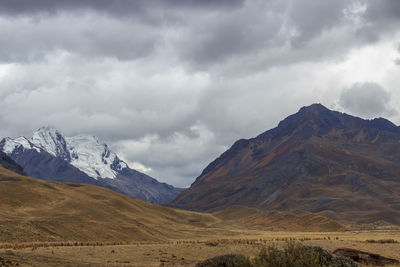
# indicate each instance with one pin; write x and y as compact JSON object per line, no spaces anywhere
{"x":187,"y":252}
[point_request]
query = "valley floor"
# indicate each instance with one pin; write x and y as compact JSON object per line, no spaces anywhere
{"x":190,"y":251}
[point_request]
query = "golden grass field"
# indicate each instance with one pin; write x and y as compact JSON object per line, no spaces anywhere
{"x":38,"y":210}
{"x":187,"y":252}
{"x":61,"y":224}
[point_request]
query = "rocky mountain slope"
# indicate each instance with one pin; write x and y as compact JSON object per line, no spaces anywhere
{"x":316,"y":160}
{"x":7,"y":163}
{"x":82,"y":159}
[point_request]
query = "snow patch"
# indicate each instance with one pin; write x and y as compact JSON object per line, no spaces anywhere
{"x":11,"y":144}
{"x":91,"y":157}
{"x":51,"y":141}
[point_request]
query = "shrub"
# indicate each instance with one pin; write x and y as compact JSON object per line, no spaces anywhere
{"x":298,"y":255}
{"x":293,"y":255}
{"x":228,"y":260}
{"x":382,"y":241}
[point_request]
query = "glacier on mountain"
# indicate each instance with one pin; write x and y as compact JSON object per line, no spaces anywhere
{"x":85,"y":152}
{"x":10,"y":145}
{"x":94,"y":158}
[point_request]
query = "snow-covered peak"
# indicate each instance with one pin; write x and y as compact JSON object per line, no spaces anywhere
{"x":52,"y":141}
{"x":9,"y":145}
{"x":94,"y":158}
{"x":82,"y":151}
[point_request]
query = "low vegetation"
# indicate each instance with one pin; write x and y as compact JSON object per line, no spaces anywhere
{"x":228,"y":260}
{"x":296,"y":254}
{"x":382,"y":241}
{"x":189,"y":252}
{"x":35,"y":245}
{"x":293,"y":255}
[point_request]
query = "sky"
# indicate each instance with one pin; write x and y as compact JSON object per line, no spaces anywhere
{"x":171,"y":84}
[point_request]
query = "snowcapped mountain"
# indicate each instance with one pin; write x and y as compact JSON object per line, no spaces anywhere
{"x":9,"y":145}
{"x":93,"y":158}
{"x":51,"y":141}
{"x":85,"y":152}
{"x":82,"y":158}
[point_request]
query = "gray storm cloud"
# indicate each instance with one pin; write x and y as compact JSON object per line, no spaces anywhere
{"x":171,"y":84}
{"x":216,"y":35}
{"x":368,"y":100}
{"x":112,"y":7}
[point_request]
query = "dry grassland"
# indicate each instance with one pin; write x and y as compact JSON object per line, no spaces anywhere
{"x":187,"y":252}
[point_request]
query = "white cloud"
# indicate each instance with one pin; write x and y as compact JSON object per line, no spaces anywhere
{"x":174,"y":158}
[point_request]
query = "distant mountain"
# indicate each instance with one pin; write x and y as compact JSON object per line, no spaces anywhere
{"x":7,"y":163}
{"x":82,"y":159}
{"x":316,"y":160}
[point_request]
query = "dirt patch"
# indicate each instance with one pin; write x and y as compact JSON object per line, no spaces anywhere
{"x":74,"y":185}
{"x":364,"y":257}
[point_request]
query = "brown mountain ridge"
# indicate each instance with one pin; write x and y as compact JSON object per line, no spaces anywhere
{"x":317,"y":160}
{"x":38,"y":210}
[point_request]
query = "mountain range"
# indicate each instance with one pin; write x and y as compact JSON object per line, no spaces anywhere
{"x":51,"y":156}
{"x":317,"y":160}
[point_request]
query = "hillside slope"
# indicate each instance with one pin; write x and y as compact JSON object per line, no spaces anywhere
{"x":252,"y":218}
{"x":38,"y":210}
{"x":316,"y":160}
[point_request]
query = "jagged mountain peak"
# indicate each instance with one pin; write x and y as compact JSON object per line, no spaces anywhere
{"x":318,"y":120}
{"x":314,"y":108}
{"x":319,"y":112}
{"x":314,"y":117}
{"x":47,"y":128}
{"x":83,"y":151}
{"x":46,"y":132}
{"x":9,"y":145}
{"x":95,"y":158}
{"x":52,"y":141}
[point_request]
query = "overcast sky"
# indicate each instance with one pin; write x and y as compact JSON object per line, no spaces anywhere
{"x":171,"y":84}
